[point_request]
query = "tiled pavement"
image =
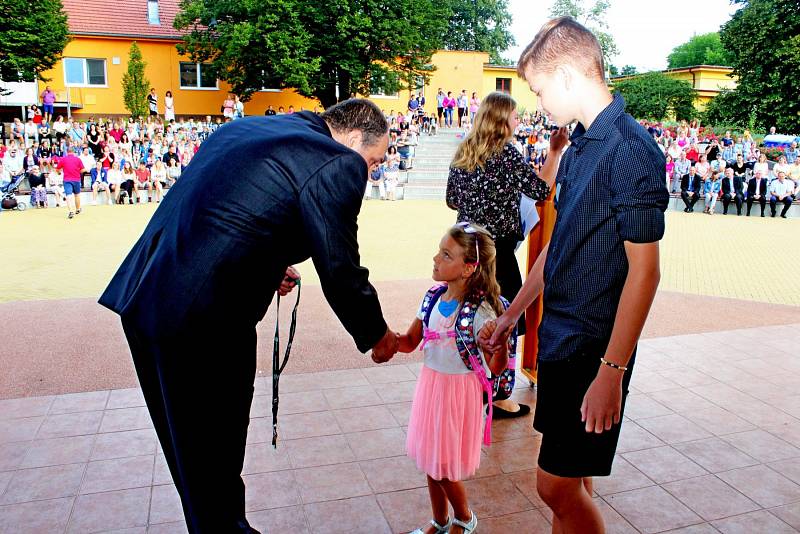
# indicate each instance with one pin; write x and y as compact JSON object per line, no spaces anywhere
{"x":711,"y":444}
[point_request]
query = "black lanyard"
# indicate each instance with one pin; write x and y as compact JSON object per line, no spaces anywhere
{"x":277,"y":365}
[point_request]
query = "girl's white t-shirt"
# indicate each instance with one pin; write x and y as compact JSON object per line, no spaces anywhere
{"x":442,"y":354}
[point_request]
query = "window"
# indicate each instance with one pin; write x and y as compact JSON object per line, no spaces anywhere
{"x":194,"y":76}
{"x":152,"y":13}
{"x":503,"y":84}
{"x":81,"y":71}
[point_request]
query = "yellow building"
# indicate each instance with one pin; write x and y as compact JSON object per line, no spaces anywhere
{"x":88,"y":78}
{"x":707,"y":81}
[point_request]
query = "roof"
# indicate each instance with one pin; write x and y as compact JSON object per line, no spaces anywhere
{"x":127,"y":18}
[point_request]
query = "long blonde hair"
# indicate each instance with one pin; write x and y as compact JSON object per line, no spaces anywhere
{"x":483,"y":282}
{"x":490,"y":132}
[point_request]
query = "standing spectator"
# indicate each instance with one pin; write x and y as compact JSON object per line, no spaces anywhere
{"x":269,"y":112}
{"x":474,"y":104}
{"x":152,"y":102}
{"x":488,"y":177}
{"x":227,"y":107}
{"x":48,"y":103}
{"x":732,"y":186}
{"x":781,"y":190}
{"x":238,"y":108}
{"x":462,"y":104}
{"x":449,"y":107}
{"x":670,"y":170}
{"x":757,"y":191}
{"x":440,"y":98}
{"x":690,"y":189}
{"x":413,"y":107}
{"x":391,"y":171}
{"x":99,"y":177}
{"x":169,"y":107}
{"x":72,"y":167}
{"x":421,"y":108}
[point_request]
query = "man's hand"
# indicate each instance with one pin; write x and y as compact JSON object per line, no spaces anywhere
{"x":289,"y":281}
{"x":386,"y":347}
{"x":558,"y":140}
{"x":602,"y":402}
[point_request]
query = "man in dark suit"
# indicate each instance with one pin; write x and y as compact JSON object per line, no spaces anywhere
{"x":757,"y":192}
{"x":690,"y":189}
{"x":732,"y":190}
{"x":260,"y":195}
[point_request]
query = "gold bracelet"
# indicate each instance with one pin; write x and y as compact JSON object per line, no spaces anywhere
{"x":613,"y":365}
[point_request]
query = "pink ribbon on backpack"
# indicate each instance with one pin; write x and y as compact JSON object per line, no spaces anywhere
{"x":433,"y":335}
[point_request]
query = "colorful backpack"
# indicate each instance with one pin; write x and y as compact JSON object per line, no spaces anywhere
{"x":467,"y":346}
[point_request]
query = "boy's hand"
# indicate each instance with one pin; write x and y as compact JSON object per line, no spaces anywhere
{"x":503,"y":327}
{"x":558,"y":140}
{"x":602,"y":403}
{"x":484,"y":335}
{"x":289,"y":281}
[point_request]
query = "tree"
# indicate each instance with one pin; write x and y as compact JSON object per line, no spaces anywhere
{"x":33,"y":37}
{"x":329,"y":50}
{"x":763,"y":37}
{"x":593,"y":17}
{"x":628,"y":70}
{"x":655,"y":95}
{"x":731,"y":109}
{"x":479,"y":25}
{"x":705,"y":49}
{"x":135,"y":85}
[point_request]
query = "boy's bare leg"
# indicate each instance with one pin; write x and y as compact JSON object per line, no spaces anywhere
{"x":571,"y":503}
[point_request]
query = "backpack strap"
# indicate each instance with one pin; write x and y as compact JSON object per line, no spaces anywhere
{"x":429,"y":301}
{"x":470,"y":354}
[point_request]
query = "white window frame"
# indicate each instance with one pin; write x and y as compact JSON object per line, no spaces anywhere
{"x":86,"y":72}
{"x":196,"y":87}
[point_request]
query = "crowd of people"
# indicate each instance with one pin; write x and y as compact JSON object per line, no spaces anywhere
{"x":732,"y":169}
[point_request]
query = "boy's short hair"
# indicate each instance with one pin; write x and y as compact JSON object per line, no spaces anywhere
{"x":563,"y":40}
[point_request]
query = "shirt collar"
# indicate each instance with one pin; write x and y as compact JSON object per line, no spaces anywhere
{"x":603,"y":123}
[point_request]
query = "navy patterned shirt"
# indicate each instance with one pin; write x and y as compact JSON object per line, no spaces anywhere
{"x":609,"y":189}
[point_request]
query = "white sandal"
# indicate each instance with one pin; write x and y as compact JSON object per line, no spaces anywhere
{"x":439,"y":528}
{"x":470,"y":527}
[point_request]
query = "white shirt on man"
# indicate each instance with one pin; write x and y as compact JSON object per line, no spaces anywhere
{"x":781,"y":189}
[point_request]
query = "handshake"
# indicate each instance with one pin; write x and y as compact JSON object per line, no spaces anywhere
{"x":387,"y":347}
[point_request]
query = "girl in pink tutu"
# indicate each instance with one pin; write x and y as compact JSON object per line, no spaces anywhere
{"x":446,"y":425}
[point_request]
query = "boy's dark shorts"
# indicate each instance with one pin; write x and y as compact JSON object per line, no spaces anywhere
{"x":440,"y":112}
{"x":567,"y":450}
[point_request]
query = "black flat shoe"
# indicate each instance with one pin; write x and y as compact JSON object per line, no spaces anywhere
{"x":500,"y":413}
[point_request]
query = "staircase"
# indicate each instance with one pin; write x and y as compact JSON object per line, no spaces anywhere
{"x":427,"y":179}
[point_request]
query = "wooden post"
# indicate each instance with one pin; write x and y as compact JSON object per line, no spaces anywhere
{"x":539,"y":237}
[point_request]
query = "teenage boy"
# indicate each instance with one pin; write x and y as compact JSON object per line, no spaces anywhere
{"x":599,"y":272}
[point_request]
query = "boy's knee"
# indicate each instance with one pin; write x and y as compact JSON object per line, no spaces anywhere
{"x":558,"y":492}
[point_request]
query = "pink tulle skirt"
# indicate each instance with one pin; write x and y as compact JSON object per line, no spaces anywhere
{"x":445,"y":431}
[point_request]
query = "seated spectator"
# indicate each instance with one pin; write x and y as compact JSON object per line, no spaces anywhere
{"x":129,"y":181}
{"x":794,"y":171}
{"x":740,"y":168}
{"x":173,"y":172}
{"x":762,"y":165}
{"x":792,"y":153}
{"x":31,"y":132}
{"x":674,"y":150}
{"x":38,"y":190}
{"x":781,"y":190}
{"x":781,"y":166}
{"x":114,"y":176}
{"x":99,"y":177}
{"x":55,"y":184}
{"x":171,"y":155}
{"x":45,"y":153}
{"x":538,"y":161}
{"x":158,"y":174}
{"x":143,"y":182}
{"x":18,"y":132}
{"x":107,"y":158}
{"x":712,"y":150}
{"x":712,"y":188}
{"x":376,"y":180}
{"x":732,"y":189}
{"x":690,"y":189}
{"x":693,"y":154}
{"x":702,"y":167}
{"x":757,"y":191}
{"x":682,"y":165}
{"x":719,"y":164}
{"x":88,"y":161}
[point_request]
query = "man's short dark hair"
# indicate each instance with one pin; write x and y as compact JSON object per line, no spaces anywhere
{"x":358,"y":114}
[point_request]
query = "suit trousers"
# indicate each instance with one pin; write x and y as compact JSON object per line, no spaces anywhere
{"x":762,"y":201}
{"x":726,"y":200}
{"x":198,"y":386}
{"x":689,"y":201}
{"x":773,"y":201}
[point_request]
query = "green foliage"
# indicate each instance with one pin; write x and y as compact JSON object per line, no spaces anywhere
{"x":705,"y":49}
{"x":135,"y":85}
{"x":628,"y":70}
{"x":728,"y":107}
{"x":613,"y":70}
{"x":314,"y":47}
{"x":764,"y":39}
{"x":593,"y":17}
{"x":479,"y":25}
{"x":654,"y":96}
{"x":33,"y":36}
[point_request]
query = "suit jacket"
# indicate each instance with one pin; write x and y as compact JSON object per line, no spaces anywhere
{"x":751,"y":187}
{"x":695,"y":183}
{"x":737,"y":185}
{"x":262,"y":193}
